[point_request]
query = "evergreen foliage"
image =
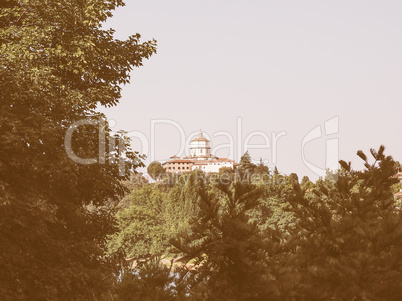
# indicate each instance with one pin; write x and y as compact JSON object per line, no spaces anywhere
{"x":245,"y":164}
{"x":329,"y":240}
{"x":70,"y":232}
{"x":149,"y":281}
{"x":348,"y":242}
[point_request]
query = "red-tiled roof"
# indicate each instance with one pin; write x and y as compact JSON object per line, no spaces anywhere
{"x":197,"y":157}
{"x":200,"y":139}
{"x":179,"y":161}
{"x":197,"y":160}
{"x":226,"y":159}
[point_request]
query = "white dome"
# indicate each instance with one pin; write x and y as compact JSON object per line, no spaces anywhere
{"x":200,"y":146}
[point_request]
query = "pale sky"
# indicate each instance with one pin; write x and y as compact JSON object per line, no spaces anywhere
{"x":280,"y":66}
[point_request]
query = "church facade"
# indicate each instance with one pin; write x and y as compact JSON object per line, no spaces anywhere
{"x":200,"y":158}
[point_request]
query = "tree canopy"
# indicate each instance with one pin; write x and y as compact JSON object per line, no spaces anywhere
{"x":68,"y":234}
{"x":337,"y":239}
{"x":245,"y":163}
{"x":155,"y":170}
{"x":58,"y":65}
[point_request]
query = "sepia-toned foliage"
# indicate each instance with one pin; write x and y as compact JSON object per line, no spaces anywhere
{"x":57,"y":66}
{"x":337,"y":239}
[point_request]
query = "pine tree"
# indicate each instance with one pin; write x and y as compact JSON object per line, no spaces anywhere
{"x":231,"y":254}
{"x":245,"y":164}
{"x":148,"y":281}
{"x":348,"y":242}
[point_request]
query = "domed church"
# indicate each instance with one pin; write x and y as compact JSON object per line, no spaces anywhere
{"x":200,"y":158}
{"x":200,"y":147}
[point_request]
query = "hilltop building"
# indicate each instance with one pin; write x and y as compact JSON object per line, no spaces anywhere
{"x":200,"y":158}
{"x":399,"y":174}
